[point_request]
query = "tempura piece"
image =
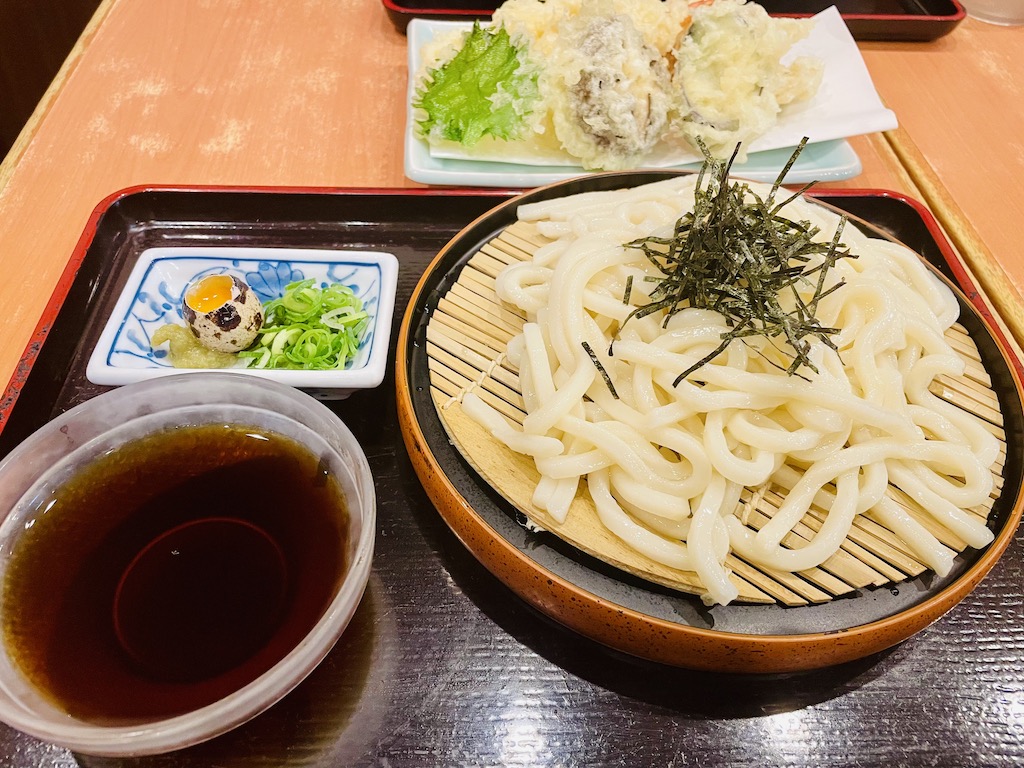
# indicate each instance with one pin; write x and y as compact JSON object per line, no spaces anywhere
{"x":612,"y":84}
{"x":730,"y":79}
{"x":609,"y":90}
{"x":606,"y":77}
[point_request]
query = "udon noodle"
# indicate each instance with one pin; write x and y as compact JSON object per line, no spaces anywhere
{"x":665,"y":462}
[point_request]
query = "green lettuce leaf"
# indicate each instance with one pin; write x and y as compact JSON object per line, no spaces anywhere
{"x":484,"y":90}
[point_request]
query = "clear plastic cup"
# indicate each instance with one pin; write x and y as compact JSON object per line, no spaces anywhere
{"x":1005,"y":12}
{"x":123,"y":415}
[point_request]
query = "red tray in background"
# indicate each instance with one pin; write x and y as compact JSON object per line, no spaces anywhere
{"x":893,"y":20}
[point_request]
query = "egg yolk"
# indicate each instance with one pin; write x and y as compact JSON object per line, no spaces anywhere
{"x":210,"y":293}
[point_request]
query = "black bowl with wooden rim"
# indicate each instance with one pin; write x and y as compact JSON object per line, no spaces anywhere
{"x":639,"y":616}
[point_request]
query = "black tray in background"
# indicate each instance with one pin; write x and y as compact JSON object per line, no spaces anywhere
{"x":891,"y":20}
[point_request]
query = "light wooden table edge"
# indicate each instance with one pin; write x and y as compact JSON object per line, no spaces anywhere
{"x":28,"y":132}
{"x":979,"y":262}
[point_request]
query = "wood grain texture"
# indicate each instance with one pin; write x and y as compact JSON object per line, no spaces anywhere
{"x":236,"y":92}
{"x":960,"y":103}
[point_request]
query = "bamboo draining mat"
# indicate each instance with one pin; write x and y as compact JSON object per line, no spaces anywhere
{"x":466,"y":340}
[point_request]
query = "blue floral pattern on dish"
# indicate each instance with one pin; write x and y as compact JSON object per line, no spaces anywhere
{"x":270,"y":278}
{"x":158,"y":296}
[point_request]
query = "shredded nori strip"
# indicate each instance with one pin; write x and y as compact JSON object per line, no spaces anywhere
{"x":600,"y":369}
{"x":735,"y":254}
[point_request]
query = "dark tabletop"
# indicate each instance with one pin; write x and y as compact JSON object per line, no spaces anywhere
{"x":444,"y":666}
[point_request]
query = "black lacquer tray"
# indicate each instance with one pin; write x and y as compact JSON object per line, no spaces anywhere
{"x":414,"y":225}
{"x":896,"y":20}
{"x":443,"y":664}
{"x":51,"y":377}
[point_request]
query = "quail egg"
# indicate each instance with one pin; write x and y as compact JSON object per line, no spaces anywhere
{"x":223,"y":312}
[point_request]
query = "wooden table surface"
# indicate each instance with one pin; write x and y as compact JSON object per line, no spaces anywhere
{"x":258,"y":92}
{"x":312,"y":93}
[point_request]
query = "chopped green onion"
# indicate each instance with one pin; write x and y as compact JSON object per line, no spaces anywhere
{"x":310,"y":328}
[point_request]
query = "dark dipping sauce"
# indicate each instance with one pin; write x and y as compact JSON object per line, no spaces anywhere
{"x":173,"y":571}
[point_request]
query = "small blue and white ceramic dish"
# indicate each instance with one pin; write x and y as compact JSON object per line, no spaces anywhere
{"x":153,"y":294}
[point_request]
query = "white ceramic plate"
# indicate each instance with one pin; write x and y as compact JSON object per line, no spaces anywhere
{"x":846,"y":105}
{"x":826,"y":161}
{"x":152,"y":298}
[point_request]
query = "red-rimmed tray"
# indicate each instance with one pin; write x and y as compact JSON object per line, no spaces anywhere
{"x":894,"y":20}
{"x":443,"y":664}
{"x":50,"y":377}
{"x":415,"y":225}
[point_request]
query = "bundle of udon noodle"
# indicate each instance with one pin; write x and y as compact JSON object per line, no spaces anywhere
{"x":665,"y":461}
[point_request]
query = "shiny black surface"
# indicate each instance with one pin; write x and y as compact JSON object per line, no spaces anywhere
{"x":444,"y":666}
{"x":895,"y":20}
